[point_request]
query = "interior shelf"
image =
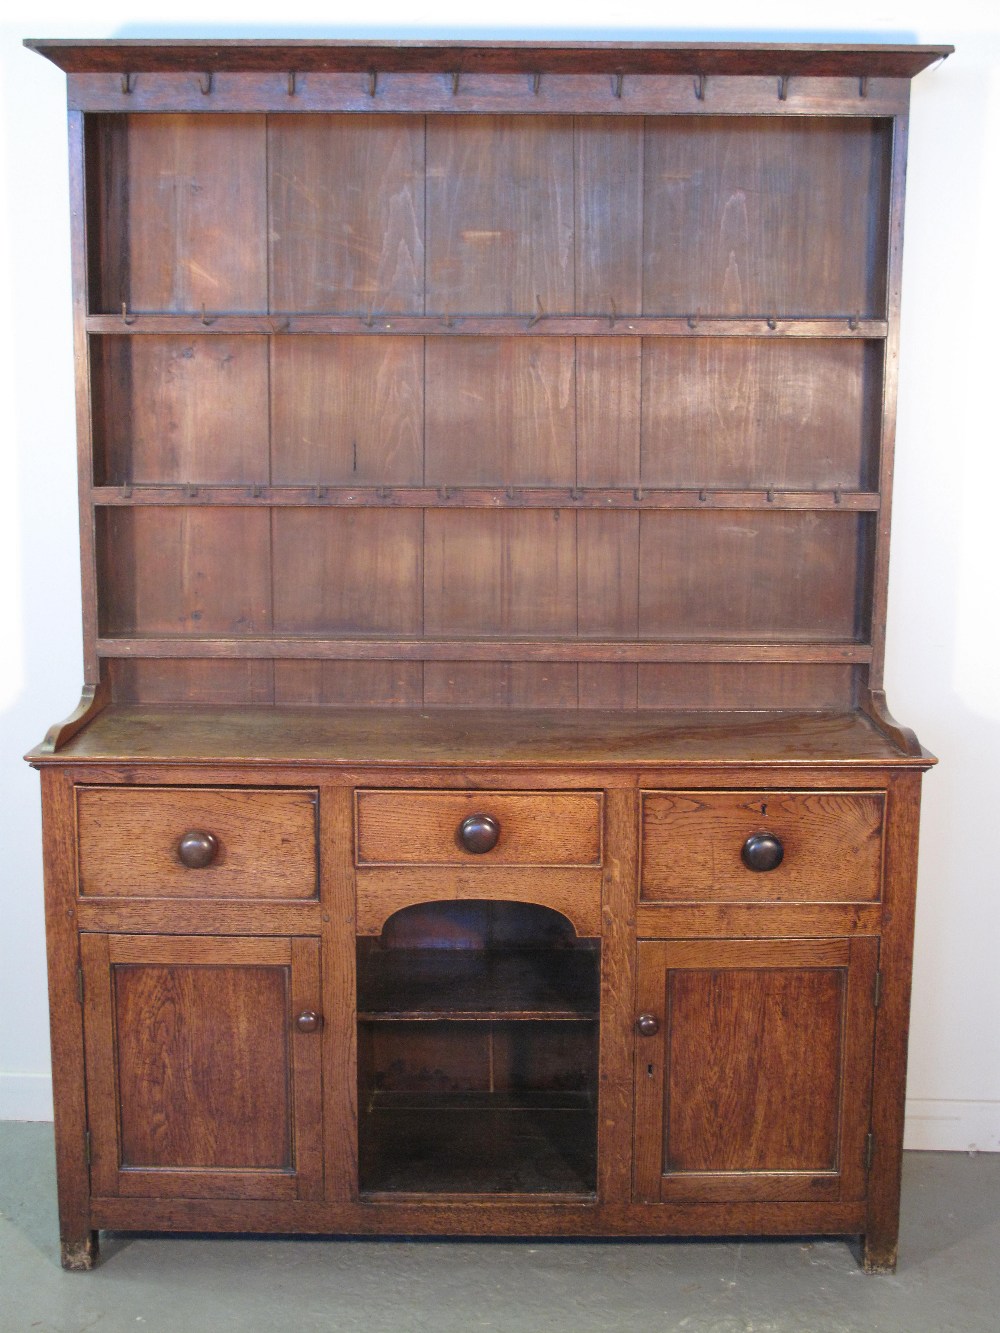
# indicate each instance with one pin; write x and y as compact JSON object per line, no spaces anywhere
{"x":481,"y":1143}
{"x":331,"y":647}
{"x":478,"y":985}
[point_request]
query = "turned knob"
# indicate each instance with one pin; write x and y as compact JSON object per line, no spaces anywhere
{"x":648,"y":1025}
{"x":479,"y":833}
{"x":197,"y":849}
{"x":308,"y":1021}
{"x":762,"y":851}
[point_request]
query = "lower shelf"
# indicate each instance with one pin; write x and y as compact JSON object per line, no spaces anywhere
{"x":479,"y":1143}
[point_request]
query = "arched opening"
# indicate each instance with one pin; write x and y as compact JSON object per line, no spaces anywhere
{"x":477,"y":1051}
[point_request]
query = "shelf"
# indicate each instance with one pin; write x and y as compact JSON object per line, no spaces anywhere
{"x":453,"y":738}
{"x":479,"y":1143}
{"x":536,"y":324}
{"x":480,"y":497}
{"x":333,"y":648}
{"x":420,"y":985}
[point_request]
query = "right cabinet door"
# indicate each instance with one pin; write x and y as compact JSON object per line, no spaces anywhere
{"x":753,"y":1069}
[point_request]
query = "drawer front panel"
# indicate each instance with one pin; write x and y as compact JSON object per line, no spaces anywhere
{"x":424,"y":828}
{"x":830,"y":846}
{"x":260,"y":844}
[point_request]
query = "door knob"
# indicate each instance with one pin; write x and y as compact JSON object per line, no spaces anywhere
{"x":197,"y":849}
{"x":762,"y":851}
{"x":479,"y":833}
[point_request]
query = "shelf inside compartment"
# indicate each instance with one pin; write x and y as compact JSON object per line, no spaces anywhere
{"x":480,"y":1143}
{"x":475,"y":984}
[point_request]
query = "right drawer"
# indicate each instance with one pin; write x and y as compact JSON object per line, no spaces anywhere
{"x":762,"y":846}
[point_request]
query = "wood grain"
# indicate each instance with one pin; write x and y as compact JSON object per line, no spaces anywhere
{"x":77,"y":1236}
{"x":357,"y":249}
{"x":500,"y":573}
{"x":183,"y":571}
{"x":203,"y":1027}
{"x":891,"y":60}
{"x":719,"y":196}
{"x":614,"y":1131}
{"x":181,"y":410}
{"x":748,"y":413}
{"x":195,"y":228}
{"x":769,"y":574}
{"x":608,"y":222}
{"x":347,"y":411}
{"x":422,"y":828}
{"x":574,"y":893}
{"x":348,"y":570}
{"x":500,"y":412}
{"x":756,"y":1085}
{"x":439,"y":738}
{"x":128,"y":842}
{"x":692,"y":843}
{"x":892,"y":1029}
{"x":499,"y":214}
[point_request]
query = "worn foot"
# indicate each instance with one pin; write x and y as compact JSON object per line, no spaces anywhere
{"x":879,"y":1258}
{"x":79,"y":1256}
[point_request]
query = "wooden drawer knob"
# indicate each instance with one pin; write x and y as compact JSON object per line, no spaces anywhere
{"x":762,"y":851}
{"x":479,"y":833}
{"x":648,"y":1025}
{"x":197,"y":849}
{"x":308,"y":1021}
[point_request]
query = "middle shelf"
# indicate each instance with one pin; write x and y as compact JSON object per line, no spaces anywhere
{"x":470,"y":985}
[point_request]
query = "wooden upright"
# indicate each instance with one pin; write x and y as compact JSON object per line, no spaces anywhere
{"x":483,"y":815}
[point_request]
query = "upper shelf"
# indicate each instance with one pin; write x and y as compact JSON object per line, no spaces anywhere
{"x":743,"y":58}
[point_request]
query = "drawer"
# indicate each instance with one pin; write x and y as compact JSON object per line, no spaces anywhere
{"x":426,"y":828}
{"x":829,"y":842}
{"x":548,"y":850}
{"x":241,"y":843}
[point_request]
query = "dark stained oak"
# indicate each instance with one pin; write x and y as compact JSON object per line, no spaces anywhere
{"x":442,"y":737}
{"x":263,"y":843}
{"x":898,"y":61}
{"x":483,"y":814}
{"x":693,"y":846}
{"x":425,"y":828}
{"x":755,"y":1077}
{"x":203,"y":1086}
{"x":322,"y":255}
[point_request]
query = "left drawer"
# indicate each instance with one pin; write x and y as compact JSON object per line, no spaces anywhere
{"x":197,"y":842}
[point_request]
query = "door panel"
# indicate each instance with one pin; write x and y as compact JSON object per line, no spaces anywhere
{"x":200,"y":1083}
{"x":756,"y":1084}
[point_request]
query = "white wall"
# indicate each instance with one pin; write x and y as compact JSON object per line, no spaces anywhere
{"x":944,"y":641}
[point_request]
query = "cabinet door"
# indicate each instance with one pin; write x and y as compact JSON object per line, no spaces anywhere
{"x":753,"y":1069}
{"x":201,"y":1082}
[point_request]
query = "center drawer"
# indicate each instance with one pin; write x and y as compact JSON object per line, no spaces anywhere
{"x":441,"y":828}
{"x":197,"y":842}
{"x":510,"y":846}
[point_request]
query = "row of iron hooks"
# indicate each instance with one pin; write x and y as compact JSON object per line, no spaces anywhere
{"x":281,"y":324}
{"x":256,"y":491}
{"x":206,"y":82}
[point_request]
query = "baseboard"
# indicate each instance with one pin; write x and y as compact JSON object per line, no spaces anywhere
{"x":931,"y":1125}
{"x":952,"y":1126}
{"x":25,"y":1097}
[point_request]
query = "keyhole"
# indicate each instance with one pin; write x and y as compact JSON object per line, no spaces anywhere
{"x":763,"y":808}
{"x":649,"y":1071}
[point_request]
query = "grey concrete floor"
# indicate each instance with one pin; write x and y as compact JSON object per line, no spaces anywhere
{"x":948,"y":1279}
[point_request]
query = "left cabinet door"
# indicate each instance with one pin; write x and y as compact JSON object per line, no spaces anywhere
{"x":203,"y":1066}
